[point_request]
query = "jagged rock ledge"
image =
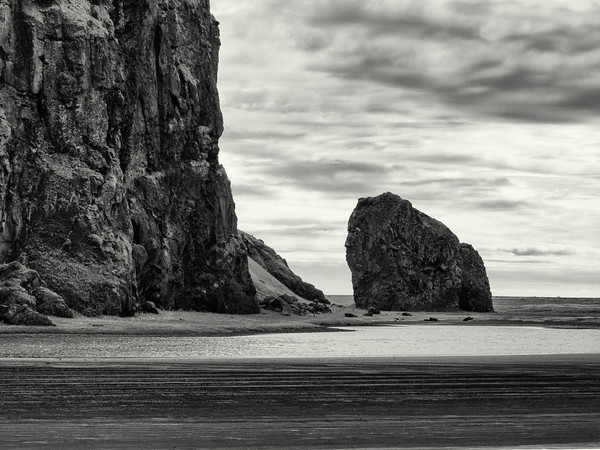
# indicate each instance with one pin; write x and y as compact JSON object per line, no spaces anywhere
{"x":402,"y":259}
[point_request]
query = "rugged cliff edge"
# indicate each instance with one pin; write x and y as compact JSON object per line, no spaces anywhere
{"x":110,"y":184}
{"x":402,"y":259}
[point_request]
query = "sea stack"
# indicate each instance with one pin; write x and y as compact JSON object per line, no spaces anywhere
{"x":110,"y":184}
{"x":404,"y":260}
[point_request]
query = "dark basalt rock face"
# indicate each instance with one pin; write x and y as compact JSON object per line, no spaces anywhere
{"x":402,"y":259}
{"x":269,"y":260}
{"x":475,"y":294}
{"x":25,"y":299}
{"x":110,"y":184}
{"x":50,"y":303}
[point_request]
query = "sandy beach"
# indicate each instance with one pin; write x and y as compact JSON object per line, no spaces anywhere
{"x":509,"y":311}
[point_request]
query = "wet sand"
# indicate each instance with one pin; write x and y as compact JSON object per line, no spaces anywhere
{"x":486,"y":401}
{"x":540,"y":401}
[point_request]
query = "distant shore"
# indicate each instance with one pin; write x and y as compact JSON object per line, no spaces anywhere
{"x":510,"y":311}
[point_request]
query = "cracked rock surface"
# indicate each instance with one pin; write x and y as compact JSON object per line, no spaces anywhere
{"x":110,"y":183}
{"x":25,"y":299}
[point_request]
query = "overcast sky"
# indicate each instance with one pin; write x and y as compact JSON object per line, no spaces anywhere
{"x":484,"y":114}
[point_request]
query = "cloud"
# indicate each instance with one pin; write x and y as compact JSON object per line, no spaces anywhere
{"x":302,"y":230}
{"x":529,"y":280}
{"x":513,"y":263}
{"x":248,"y":99}
{"x":531,"y":251}
{"x":389,"y":19}
{"x":471,"y":7}
{"x":502,"y":205}
{"x":331,"y":176}
{"x":262,"y":135}
{"x":443,"y":158}
{"x":480,"y":112}
{"x":252,"y":190}
{"x":532,"y":63}
{"x":474,"y":183}
{"x":320,"y":224}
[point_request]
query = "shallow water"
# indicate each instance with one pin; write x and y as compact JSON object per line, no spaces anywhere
{"x":387,"y":341}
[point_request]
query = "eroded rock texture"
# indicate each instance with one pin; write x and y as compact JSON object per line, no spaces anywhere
{"x":110,"y":184}
{"x":475,"y":294}
{"x":25,"y":299}
{"x":276,"y":266}
{"x":402,"y":259}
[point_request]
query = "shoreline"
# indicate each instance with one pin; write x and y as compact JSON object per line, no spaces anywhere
{"x":198,"y":324}
{"x":517,"y":360}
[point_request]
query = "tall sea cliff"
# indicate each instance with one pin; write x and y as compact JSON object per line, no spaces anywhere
{"x":110,"y":182}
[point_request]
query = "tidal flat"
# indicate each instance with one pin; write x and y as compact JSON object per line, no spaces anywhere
{"x":543,"y":402}
{"x":58,"y":393}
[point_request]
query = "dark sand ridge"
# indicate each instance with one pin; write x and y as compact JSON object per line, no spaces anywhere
{"x":538,"y":401}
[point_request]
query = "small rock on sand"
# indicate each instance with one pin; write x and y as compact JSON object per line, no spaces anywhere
{"x":149,"y":307}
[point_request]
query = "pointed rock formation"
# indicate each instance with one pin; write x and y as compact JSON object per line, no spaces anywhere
{"x":110,"y":183}
{"x":402,"y":259}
